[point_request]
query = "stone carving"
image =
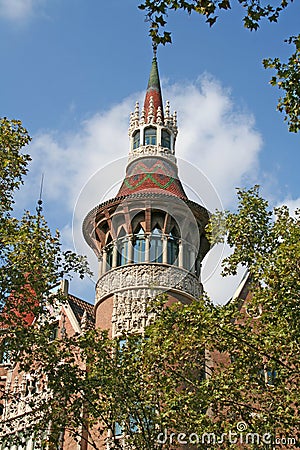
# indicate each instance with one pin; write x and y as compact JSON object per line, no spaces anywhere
{"x":151,"y":150}
{"x":149,"y":276}
{"x":131,"y":311}
{"x":135,"y":286}
{"x":19,"y":413}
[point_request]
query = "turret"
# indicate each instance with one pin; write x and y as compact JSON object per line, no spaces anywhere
{"x":150,"y":238}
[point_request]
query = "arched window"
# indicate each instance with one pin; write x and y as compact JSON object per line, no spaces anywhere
{"x":156,"y":246}
{"x":122,"y":255}
{"x":189,"y":257}
{"x":165,"y":139}
{"x":172,"y":249}
{"x":150,"y":136}
{"x":139,"y":246}
{"x":136,"y":139}
{"x":109,"y":251}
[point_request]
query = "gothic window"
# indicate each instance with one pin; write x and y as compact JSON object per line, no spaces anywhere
{"x":156,"y":246}
{"x":109,"y":257}
{"x":187,"y":256}
{"x":172,"y":249}
{"x":109,"y":251}
{"x":150,"y":136}
{"x":136,"y":139}
{"x":122,"y":248}
{"x":165,"y":139}
{"x":139,"y":246}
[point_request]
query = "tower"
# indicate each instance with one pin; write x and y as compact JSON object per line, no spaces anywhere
{"x":150,"y":238}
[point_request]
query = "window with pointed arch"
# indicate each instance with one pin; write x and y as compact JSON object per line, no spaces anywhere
{"x":165,"y":139}
{"x":109,"y":251}
{"x":172,"y":248}
{"x":150,"y":136}
{"x":156,"y":245}
{"x":136,"y":139}
{"x":139,"y":246}
{"x":187,"y":256}
{"x":122,"y":255}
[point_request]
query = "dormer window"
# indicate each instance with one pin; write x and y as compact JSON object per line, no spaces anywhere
{"x":150,"y":136}
{"x":136,"y":139}
{"x":165,"y":139}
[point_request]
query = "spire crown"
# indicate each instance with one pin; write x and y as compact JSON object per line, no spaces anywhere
{"x":153,"y":98}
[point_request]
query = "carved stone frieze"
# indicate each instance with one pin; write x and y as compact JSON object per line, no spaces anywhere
{"x":151,"y":150}
{"x":148,"y":276}
{"x":131,"y":311}
{"x":19,"y":413}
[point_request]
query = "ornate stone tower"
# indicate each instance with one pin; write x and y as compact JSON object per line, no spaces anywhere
{"x":149,"y":238}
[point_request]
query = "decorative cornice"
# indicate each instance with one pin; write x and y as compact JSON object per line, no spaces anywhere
{"x":151,"y":150}
{"x":154,"y":277}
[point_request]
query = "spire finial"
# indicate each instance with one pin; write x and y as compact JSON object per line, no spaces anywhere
{"x":154,"y":46}
{"x":153,"y":88}
{"x":39,"y":207}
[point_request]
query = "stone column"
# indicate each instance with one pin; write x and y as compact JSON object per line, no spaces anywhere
{"x":104,"y":261}
{"x":165,"y":250}
{"x":147,"y":248}
{"x":130,"y":249}
{"x":114,"y":255}
{"x":100,"y":266}
{"x":192,"y":259}
{"x":180,"y":254}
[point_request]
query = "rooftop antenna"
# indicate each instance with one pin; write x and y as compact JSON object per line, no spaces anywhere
{"x":39,"y":207}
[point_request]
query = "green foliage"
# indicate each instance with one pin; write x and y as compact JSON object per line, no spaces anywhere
{"x":31,"y":260}
{"x":288,"y":79}
{"x":199,"y":368}
{"x":13,"y":164}
{"x":157,"y":13}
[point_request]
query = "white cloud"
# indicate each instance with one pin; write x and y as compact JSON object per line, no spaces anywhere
{"x":213,"y":135}
{"x":18,"y":10}
{"x":291,"y":204}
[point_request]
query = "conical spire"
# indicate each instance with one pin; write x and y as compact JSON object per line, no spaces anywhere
{"x":153,"y":98}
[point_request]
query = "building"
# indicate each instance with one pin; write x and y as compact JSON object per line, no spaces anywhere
{"x":149,"y":239}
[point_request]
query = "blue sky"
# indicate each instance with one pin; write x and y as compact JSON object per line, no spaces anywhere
{"x":73,"y":69}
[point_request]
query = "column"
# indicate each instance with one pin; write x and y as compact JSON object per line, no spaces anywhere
{"x":100,"y":270}
{"x":147,"y":248}
{"x":165,"y":250}
{"x":130,"y":250}
{"x":104,"y":261}
{"x":180,"y":254}
{"x":114,"y":255}
{"x":192,"y":260}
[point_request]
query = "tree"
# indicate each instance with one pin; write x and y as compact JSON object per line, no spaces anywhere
{"x":287,"y":77}
{"x":31,"y":260}
{"x":202,"y":374}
